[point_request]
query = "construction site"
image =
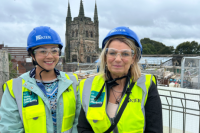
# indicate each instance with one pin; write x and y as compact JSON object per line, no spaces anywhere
{"x":178,"y":87}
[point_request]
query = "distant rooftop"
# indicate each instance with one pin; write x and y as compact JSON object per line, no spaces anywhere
{"x":154,"y":60}
{"x":15,"y":52}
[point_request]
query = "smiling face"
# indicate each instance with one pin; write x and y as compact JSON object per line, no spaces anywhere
{"x":49,"y":60}
{"x":120,"y":64}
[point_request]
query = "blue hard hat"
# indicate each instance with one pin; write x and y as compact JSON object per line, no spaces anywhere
{"x":125,"y":31}
{"x":43,"y":35}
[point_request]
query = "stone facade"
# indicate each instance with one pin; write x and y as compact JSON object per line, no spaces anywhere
{"x":81,"y":37}
{"x":4,"y":69}
{"x":4,"y":64}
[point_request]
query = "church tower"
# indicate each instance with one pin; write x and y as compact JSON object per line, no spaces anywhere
{"x":81,"y":37}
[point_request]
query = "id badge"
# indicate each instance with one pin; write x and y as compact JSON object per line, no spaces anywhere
{"x":99,"y":101}
{"x":29,"y":99}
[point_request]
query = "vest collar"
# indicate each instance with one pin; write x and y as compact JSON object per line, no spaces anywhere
{"x":141,"y":83}
{"x":32,"y":72}
{"x":30,"y":83}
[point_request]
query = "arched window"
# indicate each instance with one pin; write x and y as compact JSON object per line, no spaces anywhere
{"x":74,"y":58}
{"x":76,"y":33}
{"x":72,"y":33}
{"x":88,"y":59}
{"x":94,"y":58}
{"x":86,"y":33}
{"x":91,"y":34}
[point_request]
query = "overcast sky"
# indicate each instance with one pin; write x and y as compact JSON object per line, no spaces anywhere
{"x":168,"y":21}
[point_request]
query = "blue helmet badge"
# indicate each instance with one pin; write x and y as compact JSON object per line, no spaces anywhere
{"x":43,"y":35}
{"x":125,"y":31}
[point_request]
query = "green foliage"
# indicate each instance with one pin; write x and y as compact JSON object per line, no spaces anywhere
{"x":166,"y":50}
{"x":99,"y":50}
{"x":9,"y":56}
{"x":148,"y":49}
{"x":12,"y":72}
{"x":188,"y":48}
{"x":154,"y":47}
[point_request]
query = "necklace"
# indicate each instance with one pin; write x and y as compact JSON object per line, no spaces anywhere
{"x":117,"y":91}
{"x":118,"y":98}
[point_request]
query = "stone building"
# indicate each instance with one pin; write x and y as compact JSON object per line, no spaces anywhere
{"x":17,"y":53}
{"x":18,"y":57}
{"x":81,"y":37}
{"x":4,"y":69}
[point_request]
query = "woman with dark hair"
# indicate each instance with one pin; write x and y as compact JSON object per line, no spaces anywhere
{"x":43,"y":100}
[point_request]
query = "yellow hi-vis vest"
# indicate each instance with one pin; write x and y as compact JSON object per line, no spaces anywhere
{"x":133,"y":117}
{"x":33,"y":117}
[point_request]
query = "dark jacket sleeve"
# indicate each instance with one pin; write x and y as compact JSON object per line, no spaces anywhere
{"x":153,"y":114}
{"x":83,"y":125}
{"x":153,"y":111}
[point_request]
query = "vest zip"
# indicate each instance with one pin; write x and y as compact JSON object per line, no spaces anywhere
{"x":112,"y":121}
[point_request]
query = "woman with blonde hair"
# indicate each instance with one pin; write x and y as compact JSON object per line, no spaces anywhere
{"x":120,"y":99}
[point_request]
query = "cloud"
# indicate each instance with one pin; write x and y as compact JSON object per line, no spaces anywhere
{"x":168,"y":21}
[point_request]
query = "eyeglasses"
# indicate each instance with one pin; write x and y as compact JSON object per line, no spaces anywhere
{"x":45,"y":52}
{"x":124,"y":53}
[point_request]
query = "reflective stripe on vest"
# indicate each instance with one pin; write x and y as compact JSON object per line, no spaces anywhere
{"x":68,"y":131}
{"x":69,"y":108}
{"x":75,"y":82}
{"x":141,"y":83}
{"x":16,"y":90}
{"x":85,"y":92}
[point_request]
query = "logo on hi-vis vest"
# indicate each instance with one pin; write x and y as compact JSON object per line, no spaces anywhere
{"x":135,"y":100}
{"x":99,"y":101}
{"x":29,"y":99}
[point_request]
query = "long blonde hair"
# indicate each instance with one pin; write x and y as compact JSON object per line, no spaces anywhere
{"x":135,"y":68}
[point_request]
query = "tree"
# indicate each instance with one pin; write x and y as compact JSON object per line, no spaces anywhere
{"x":154,"y":47}
{"x":12,"y":72}
{"x":99,"y":50}
{"x":148,"y":49}
{"x":195,"y":47}
{"x":166,"y":50}
{"x":188,"y":48}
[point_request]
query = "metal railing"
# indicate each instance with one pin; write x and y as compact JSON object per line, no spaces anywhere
{"x":186,"y":97}
{"x":185,"y":102}
{"x":190,"y":71}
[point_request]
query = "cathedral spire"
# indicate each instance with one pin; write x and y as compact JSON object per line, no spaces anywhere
{"x":81,"y":10}
{"x":69,"y":11}
{"x":95,"y":13}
